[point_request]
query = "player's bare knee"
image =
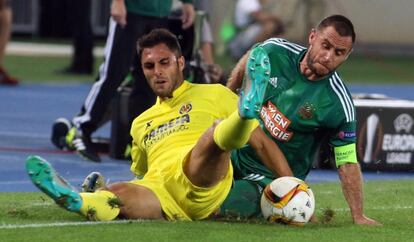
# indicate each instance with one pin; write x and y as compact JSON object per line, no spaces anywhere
{"x":122,"y":190}
{"x":206,"y":142}
{"x":138,"y":202}
{"x":118,"y":188}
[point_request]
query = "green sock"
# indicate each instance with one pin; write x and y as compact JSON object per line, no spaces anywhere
{"x":243,"y":200}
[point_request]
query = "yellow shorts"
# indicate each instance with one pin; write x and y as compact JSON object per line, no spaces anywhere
{"x":182,"y":200}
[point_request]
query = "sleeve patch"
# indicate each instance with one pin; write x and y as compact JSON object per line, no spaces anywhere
{"x":346,"y":135}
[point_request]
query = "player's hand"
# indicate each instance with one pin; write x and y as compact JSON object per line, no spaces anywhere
{"x":188,"y":15}
{"x":118,"y":12}
{"x":363,"y":220}
{"x":215,"y":72}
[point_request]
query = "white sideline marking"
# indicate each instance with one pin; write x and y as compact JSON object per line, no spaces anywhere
{"x":384,"y":103}
{"x":374,"y":208}
{"x":39,"y":49}
{"x":41,"y":204}
{"x":62,"y":224}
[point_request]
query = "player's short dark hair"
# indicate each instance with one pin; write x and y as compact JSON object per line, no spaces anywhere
{"x":159,"y":36}
{"x":341,"y":24}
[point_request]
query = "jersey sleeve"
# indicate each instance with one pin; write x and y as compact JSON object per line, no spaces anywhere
{"x":344,"y":135}
{"x":343,"y":121}
{"x":139,"y":164}
{"x":343,"y":141}
{"x":227,"y":101}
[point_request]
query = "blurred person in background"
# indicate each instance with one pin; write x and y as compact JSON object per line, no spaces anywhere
{"x":214,"y":70}
{"x":130,"y":19}
{"x":5,"y":30}
{"x":82,"y":57}
{"x":201,"y":63}
{"x":254,"y":24}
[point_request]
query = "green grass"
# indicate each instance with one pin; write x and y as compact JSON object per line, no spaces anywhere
{"x":360,"y":69}
{"x":378,"y":69}
{"x":357,"y":70}
{"x":44,"y":69}
{"x":390,"y":202}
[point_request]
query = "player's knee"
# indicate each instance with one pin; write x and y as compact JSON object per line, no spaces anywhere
{"x":208,"y":136}
{"x":120,"y":189}
{"x":137,"y":202}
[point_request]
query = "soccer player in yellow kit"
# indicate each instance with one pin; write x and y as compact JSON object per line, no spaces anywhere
{"x":179,"y":150}
{"x":163,"y":137}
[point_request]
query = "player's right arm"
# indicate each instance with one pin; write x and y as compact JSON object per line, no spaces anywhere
{"x":139,"y":161}
{"x":236,"y":77}
{"x":271,"y":46}
{"x":269,"y":153}
{"x":349,"y":171}
{"x":351,"y":182}
{"x":139,"y":164}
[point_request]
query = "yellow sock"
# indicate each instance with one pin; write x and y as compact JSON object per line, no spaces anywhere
{"x":100,"y":205}
{"x":234,"y":132}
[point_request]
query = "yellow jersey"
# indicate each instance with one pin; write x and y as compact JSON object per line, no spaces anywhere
{"x":165,"y":134}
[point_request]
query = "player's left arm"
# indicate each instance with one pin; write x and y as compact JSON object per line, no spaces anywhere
{"x":351,"y":182}
{"x":269,"y":153}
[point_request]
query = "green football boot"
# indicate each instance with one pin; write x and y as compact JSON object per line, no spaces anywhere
{"x":50,"y":182}
{"x":255,"y":81}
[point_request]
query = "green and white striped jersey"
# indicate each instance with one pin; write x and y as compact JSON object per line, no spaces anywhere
{"x":298,"y":113}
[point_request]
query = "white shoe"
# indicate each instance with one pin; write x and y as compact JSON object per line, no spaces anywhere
{"x":93,"y":182}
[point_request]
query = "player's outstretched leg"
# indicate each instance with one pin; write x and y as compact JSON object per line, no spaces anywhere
{"x":101,"y":205}
{"x":234,"y":132}
{"x":50,"y":182}
{"x":256,"y":78}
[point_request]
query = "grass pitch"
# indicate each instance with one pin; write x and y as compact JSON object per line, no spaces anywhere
{"x":34,"y":217}
{"x":358,"y":69}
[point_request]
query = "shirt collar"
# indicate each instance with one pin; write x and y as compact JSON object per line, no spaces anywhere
{"x":177,"y":92}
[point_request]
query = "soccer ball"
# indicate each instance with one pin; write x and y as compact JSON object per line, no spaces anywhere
{"x":288,"y":200}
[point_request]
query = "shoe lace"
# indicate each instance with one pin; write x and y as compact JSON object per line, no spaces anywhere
{"x":79,"y":144}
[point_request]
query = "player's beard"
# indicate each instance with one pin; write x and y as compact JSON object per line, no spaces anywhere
{"x":312,"y":61}
{"x":176,"y":78}
{"x":317,"y":72}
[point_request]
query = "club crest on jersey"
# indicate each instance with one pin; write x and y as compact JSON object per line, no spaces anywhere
{"x":273,"y":81}
{"x":307,"y":110}
{"x":148,"y":125}
{"x":275,"y":122}
{"x":186,"y":108}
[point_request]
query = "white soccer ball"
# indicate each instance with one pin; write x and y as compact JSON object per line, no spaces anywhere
{"x":288,"y":200}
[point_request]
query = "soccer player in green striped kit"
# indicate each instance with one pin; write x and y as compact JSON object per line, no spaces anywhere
{"x":305,"y":100}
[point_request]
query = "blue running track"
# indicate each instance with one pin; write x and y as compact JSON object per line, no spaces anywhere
{"x":27,"y":114}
